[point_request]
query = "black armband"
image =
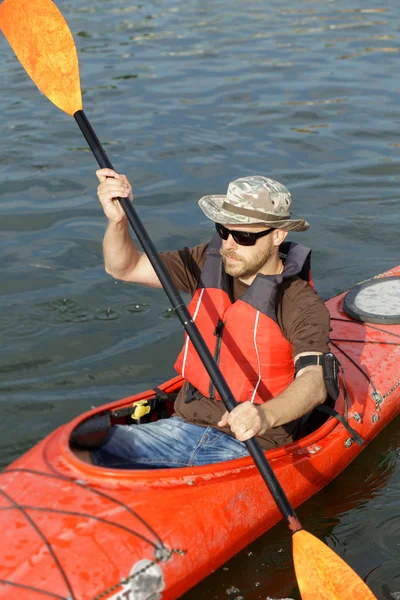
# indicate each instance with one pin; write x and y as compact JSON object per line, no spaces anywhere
{"x":330,"y":368}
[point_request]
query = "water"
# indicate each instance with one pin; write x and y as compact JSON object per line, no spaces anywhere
{"x":186,"y":96}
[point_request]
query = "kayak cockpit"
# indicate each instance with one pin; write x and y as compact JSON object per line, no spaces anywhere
{"x":157,"y":404}
{"x":92,"y":431}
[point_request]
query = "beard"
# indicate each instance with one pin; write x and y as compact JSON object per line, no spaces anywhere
{"x":245,"y":267}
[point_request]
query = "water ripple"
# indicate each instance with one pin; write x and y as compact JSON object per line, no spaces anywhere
{"x":64,"y":310}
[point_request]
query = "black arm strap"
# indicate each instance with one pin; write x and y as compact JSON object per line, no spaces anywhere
{"x":308,"y":361}
{"x":330,"y":366}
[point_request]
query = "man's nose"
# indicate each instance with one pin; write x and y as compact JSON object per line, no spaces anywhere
{"x":230,"y":243}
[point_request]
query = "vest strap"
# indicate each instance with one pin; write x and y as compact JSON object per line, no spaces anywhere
{"x":192,"y":394}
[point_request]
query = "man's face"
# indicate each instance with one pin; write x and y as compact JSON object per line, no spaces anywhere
{"x":246,"y":261}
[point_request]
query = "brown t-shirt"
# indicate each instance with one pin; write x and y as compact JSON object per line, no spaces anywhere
{"x":301,"y":314}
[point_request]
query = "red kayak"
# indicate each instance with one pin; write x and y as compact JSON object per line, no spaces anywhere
{"x":74,"y":531}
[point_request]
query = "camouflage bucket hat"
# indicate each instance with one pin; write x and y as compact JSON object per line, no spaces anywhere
{"x":251,"y":200}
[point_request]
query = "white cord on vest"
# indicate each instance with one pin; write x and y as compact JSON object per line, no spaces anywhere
{"x":258,"y":357}
{"x":188,"y":339}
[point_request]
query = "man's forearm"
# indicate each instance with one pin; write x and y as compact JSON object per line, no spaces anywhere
{"x":302,"y":395}
{"x":120,"y":253}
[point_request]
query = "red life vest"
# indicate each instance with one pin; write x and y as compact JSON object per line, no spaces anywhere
{"x":244,"y":336}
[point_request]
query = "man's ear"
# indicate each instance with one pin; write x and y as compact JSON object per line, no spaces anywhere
{"x":279,"y":236}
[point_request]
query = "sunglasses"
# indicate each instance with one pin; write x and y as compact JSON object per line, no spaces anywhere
{"x":243,"y":238}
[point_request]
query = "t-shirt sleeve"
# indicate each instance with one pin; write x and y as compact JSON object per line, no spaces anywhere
{"x":184,"y":266}
{"x":305,"y":319}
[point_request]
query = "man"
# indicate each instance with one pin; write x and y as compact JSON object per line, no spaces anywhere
{"x":256,"y":311}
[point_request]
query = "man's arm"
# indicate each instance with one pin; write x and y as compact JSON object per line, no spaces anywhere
{"x":122,"y":259}
{"x":305,"y":392}
{"x":300,"y":397}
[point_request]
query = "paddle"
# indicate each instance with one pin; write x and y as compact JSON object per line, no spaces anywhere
{"x":42,"y":41}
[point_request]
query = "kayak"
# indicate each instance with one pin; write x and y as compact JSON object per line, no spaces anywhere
{"x":75,"y":531}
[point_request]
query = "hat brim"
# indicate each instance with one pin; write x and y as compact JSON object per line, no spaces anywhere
{"x":212,"y":208}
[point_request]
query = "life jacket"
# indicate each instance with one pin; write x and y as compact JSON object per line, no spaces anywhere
{"x":244,"y":337}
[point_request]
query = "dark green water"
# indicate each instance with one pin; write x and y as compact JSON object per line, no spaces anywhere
{"x":186,"y":96}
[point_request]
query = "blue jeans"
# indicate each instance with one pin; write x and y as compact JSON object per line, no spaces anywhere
{"x":165,"y":443}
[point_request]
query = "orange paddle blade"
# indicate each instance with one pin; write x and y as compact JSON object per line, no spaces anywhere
{"x":322,"y":575}
{"x":43,"y":43}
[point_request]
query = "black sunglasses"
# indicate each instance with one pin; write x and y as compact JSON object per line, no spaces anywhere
{"x":243,"y":238}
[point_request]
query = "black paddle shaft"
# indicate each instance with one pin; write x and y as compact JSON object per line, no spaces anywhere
{"x":190,"y":327}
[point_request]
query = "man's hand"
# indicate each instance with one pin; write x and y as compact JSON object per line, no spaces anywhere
{"x":113,"y":186}
{"x":246,"y":420}
{"x":300,"y":397}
